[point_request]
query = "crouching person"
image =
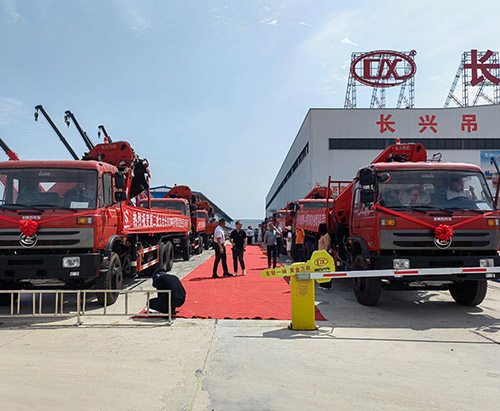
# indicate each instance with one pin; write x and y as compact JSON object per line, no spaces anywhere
{"x":164,"y":282}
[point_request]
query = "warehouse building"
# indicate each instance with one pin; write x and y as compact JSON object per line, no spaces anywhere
{"x":337,"y":142}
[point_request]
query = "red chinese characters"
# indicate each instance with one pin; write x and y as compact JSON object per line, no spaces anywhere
{"x":385,"y":124}
{"x":469,"y":122}
{"x":428,"y":122}
{"x":482,"y":66}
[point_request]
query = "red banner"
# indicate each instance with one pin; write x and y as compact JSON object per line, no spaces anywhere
{"x":143,"y":220}
{"x":309,"y":220}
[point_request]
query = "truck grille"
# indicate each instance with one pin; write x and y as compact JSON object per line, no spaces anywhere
{"x":424,"y":240}
{"x":50,"y":238}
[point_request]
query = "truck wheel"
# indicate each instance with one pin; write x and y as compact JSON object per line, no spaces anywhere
{"x":186,"y":252}
{"x":163,"y":257}
{"x":471,"y":292}
{"x":199,"y":249}
{"x":367,"y":290}
{"x":309,"y":249}
{"x":169,"y":251}
{"x":110,"y":278}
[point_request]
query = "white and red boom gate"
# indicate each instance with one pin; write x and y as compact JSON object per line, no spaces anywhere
{"x":321,"y":267}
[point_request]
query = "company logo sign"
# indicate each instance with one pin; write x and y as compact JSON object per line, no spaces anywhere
{"x":321,"y":262}
{"x":384,"y":68}
{"x":28,"y":241}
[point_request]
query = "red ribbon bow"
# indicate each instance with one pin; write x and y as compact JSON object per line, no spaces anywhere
{"x":443,"y":232}
{"x":28,"y":227}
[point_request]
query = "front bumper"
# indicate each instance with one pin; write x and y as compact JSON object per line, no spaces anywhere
{"x":24,"y":267}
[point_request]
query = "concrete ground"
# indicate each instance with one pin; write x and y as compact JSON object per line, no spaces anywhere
{"x":415,"y":351}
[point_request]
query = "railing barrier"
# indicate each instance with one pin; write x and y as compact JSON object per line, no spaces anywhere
{"x":37,"y":310}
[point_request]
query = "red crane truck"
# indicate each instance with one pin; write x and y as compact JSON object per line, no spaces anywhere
{"x":182,"y":199}
{"x":310,"y":212}
{"x":416,"y":225}
{"x":77,"y":221}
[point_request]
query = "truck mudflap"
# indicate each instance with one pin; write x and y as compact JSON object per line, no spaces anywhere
{"x":40,"y":266}
{"x":464,"y":272}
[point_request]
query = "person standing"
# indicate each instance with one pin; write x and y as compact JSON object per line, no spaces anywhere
{"x":324,"y":243}
{"x":270,"y":241}
{"x":260,"y":235}
{"x":299,"y":243}
{"x":220,"y":250}
{"x":289,"y":239}
{"x":279,"y":237}
{"x":249,"y":235}
{"x":238,"y":239}
{"x":255,"y":235}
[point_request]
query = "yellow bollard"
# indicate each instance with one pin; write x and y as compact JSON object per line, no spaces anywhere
{"x":303,"y":307}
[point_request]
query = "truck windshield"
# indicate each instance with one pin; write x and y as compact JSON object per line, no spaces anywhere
{"x":168,"y":205}
{"x":314,"y":206}
{"x":48,"y":188}
{"x":201,"y":214}
{"x":435,"y":189}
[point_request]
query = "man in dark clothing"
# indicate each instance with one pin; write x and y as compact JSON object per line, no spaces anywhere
{"x":238,"y":239}
{"x":270,"y":240}
{"x":164,"y":281}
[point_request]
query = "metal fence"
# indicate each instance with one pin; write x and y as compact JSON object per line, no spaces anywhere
{"x":80,"y":300}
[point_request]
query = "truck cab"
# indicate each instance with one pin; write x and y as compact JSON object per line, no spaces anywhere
{"x":419,"y":217}
{"x":73,"y":202}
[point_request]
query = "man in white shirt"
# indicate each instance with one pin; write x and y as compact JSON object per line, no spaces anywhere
{"x":220,"y":249}
{"x":457,"y":190}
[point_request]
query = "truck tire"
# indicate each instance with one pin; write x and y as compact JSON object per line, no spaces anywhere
{"x":169,"y":250}
{"x":470,"y":293}
{"x":310,"y":248}
{"x":163,"y":257}
{"x":199,"y":248}
{"x":186,"y":251}
{"x":110,"y":278}
{"x":367,"y":289}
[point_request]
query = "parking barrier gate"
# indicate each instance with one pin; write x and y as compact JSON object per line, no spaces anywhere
{"x":321,"y":267}
{"x":37,"y":309}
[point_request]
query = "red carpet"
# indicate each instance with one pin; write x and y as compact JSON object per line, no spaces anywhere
{"x":241,"y":297}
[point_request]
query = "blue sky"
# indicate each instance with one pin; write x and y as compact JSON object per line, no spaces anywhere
{"x":212,"y":92}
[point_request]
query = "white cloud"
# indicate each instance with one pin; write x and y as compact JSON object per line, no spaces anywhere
{"x":11,"y":15}
{"x":303,"y":23}
{"x":10,"y":109}
{"x":269,"y":22}
{"x":347,"y":40}
{"x":135,"y":20}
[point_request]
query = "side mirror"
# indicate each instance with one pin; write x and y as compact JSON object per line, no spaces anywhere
{"x":120,"y":196}
{"x":366,"y":177}
{"x":119,"y":180}
{"x":367,"y":195}
{"x":384,"y":178}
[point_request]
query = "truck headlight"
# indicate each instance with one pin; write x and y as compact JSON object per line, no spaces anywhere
{"x":492,"y":222}
{"x":84,"y":220}
{"x":71,"y":262}
{"x":388,"y":222}
{"x":399,"y":263}
{"x":486,"y":262}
